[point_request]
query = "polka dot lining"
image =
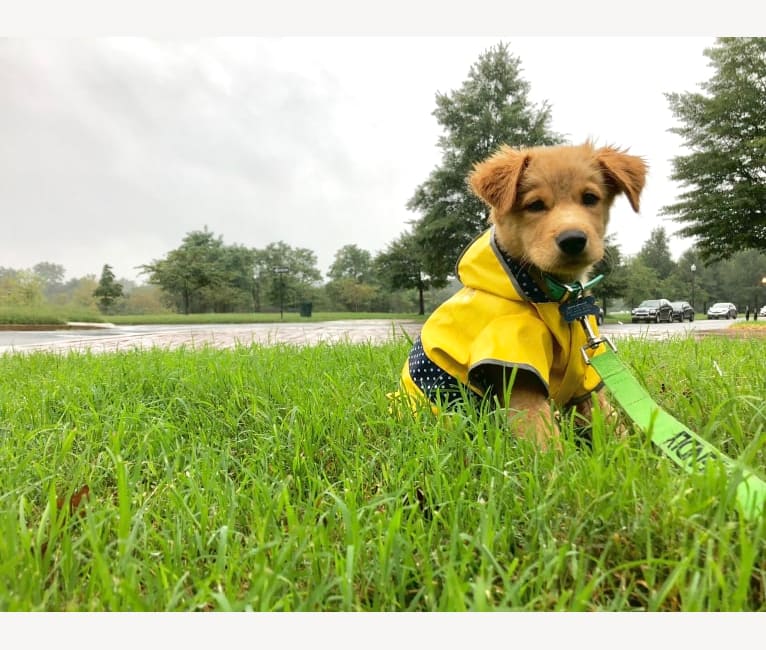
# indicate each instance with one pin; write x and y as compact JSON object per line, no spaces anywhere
{"x":437,"y":384}
{"x":532,"y":292}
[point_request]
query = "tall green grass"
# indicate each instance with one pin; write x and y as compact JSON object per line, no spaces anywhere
{"x":275,"y":478}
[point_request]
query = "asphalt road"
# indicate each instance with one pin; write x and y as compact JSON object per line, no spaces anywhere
{"x":112,"y":339}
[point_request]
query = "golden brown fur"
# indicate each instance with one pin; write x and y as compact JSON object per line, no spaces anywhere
{"x":550,"y":208}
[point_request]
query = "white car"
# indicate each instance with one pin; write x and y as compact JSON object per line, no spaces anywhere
{"x":722,"y":310}
{"x":762,"y":312}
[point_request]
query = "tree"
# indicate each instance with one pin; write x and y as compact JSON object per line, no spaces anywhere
{"x":108,"y":290}
{"x":643,"y":283}
{"x":739,"y":279}
{"x":81,"y":290}
{"x":724,"y":205}
{"x":20,"y":288}
{"x":295,"y":283}
{"x":350,"y":274}
{"x":352,"y":295}
{"x":655,"y":253}
{"x":145,"y":299}
{"x":351,"y":262}
{"x":615,"y":277}
{"x":491,"y":108}
{"x":195,"y":265}
{"x":52,"y":276}
{"x":400,"y":266}
{"x":235,"y":291}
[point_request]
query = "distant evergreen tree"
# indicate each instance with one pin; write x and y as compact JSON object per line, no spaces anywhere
{"x":108,"y":290}
{"x":655,"y":253}
{"x":724,"y":205}
{"x":491,"y":108}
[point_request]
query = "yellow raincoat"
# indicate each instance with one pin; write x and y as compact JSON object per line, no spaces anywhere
{"x":501,"y":318}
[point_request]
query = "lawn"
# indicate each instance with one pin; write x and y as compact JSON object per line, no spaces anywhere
{"x":275,"y":478}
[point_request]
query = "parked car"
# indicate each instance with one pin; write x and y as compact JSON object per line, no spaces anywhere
{"x":682,"y":311}
{"x":722,"y":310}
{"x":652,"y":311}
{"x":763,"y":311}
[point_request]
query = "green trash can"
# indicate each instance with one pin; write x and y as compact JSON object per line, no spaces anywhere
{"x":306,"y":309}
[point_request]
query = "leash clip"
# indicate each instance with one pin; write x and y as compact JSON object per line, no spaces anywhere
{"x":579,"y":309}
{"x":593,"y":341}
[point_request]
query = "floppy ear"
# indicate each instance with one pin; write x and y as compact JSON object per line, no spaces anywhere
{"x":624,"y":173}
{"x":496,"y":179}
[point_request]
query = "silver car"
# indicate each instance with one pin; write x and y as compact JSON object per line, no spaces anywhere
{"x":722,"y":310}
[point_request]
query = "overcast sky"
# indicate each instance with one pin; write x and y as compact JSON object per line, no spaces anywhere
{"x":111,"y":150}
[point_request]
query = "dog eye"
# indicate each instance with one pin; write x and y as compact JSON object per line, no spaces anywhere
{"x":536,"y":206}
{"x":589,"y":198}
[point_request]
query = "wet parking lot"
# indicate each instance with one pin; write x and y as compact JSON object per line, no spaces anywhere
{"x":114,"y":339}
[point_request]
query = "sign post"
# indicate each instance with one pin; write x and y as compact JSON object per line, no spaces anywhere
{"x":280,"y":271}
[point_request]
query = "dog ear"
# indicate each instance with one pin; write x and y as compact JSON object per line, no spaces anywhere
{"x":495,"y":179}
{"x":624,"y":173}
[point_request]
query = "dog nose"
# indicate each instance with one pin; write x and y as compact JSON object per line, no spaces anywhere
{"x":572,"y":242}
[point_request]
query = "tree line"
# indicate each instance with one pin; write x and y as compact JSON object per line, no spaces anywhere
{"x":206,"y":275}
{"x":721,"y":208}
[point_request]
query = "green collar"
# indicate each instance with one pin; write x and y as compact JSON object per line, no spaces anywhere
{"x":562,"y":292}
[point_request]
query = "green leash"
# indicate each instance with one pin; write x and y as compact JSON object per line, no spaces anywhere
{"x":684,"y":447}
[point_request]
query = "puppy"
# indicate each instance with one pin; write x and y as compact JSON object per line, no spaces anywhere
{"x":501,"y":337}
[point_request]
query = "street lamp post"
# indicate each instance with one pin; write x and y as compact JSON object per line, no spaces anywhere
{"x":693,"y":270}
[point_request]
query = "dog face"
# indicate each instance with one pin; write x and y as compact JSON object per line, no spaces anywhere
{"x":550,"y":205}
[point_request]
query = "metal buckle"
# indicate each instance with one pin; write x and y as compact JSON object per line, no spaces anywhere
{"x":593,"y":341}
